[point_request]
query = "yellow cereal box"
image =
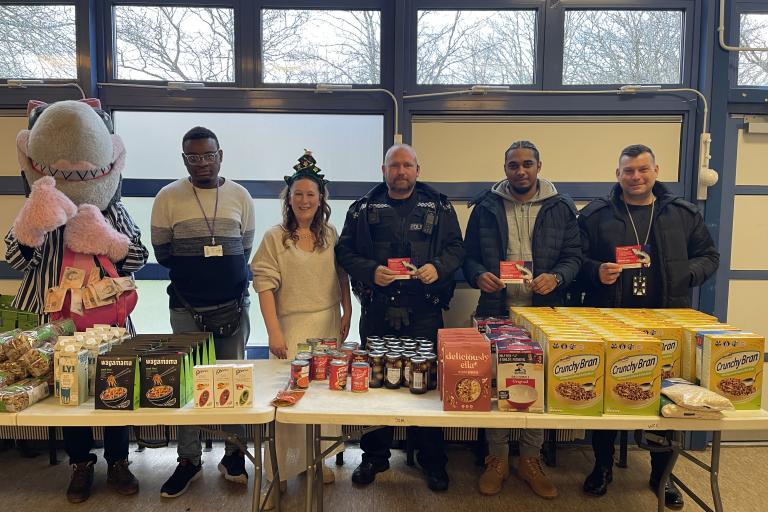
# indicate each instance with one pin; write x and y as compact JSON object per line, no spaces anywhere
{"x":632,"y":376}
{"x":689,"y":371}
{"x":671,"y":348}
{"x":575,"y":376}
{"x":732,"y":365}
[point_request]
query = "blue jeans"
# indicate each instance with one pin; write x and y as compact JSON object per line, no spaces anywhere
{"x":233,"y":348}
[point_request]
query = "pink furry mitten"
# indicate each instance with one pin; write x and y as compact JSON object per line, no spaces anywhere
{"x":89,"y":233}
{"x":46,"y":209}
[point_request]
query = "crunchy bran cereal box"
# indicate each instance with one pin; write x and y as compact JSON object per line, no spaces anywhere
{"x":732,"y":365}
{"x":575,"y":376}
{"x":689,"y":331}
{"x":632,"y":376}
{"x":671,"y":337}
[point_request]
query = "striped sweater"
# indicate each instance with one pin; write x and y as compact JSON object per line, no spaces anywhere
{"x":41,"y":266}
{"x":180,"y":233}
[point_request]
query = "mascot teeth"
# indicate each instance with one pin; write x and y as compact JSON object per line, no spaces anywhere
{"x":83,"y":175}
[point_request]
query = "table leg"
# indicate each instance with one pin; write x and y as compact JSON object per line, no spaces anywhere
{"x":310,"y":457}
{"x":273,"y":458}
{"x":715,"y":471}
{"x":318,"y":469}
{"x":52,"y":458}
{"x":257,"y":463}
{"x":623,"y":441}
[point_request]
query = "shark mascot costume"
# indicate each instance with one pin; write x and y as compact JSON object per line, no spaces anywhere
{"x":71,"y":161}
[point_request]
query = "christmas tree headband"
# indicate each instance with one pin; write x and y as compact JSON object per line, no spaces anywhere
{"x":306,"y":168}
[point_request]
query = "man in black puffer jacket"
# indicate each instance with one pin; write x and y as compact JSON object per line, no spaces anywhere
{"x":641,"y":213}
{"x":522,"y":218}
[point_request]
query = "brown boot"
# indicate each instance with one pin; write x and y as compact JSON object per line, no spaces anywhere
{"x":530,"y":471}
{"x":496,"y":471}
{"x":80,"y":484}
{"x":121,"y":479}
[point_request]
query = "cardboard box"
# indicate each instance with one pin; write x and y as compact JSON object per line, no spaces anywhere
{"x":73,"y":375}
{"x":520,"y":376}
{"x":95,"y":348}
{"x":689,"y":331}
{"x":732,"y":366}
{"x":203,"y":384}
{"x":464,"y":370}
{"x":243,"y":380}
{"x":223,"y":385}
{"x":575,"y":379}
{"x":164,"y":380}
{"x":633,"y":376}
{"x":117,"y":382}
{"x":671,"y":349}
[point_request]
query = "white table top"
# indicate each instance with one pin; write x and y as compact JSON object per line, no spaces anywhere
{"x":380,"y":406}
{"x":391,"y":407}
{"x":270,"y":376}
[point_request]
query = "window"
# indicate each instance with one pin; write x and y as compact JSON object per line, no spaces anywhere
{"x":622,"y":47}
{"x":38,"y":41}
{"x":476,"y":47}
{"x":753,"y":66}
{"x":313,"y":46}
{"x":185,"y":44}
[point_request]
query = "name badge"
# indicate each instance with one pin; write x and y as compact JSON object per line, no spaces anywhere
{"x":211,"y":251}
{"x":515,"y":272}
{"x":633,"y":256}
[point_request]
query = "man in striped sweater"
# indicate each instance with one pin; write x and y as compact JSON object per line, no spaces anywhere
{"x":72,"y":161}
{"x":202,"y":231}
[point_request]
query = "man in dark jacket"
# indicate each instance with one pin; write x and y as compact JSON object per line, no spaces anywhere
{"x":642,"y":216}
{"x":521,"y":218}
{"x":401,"y":218}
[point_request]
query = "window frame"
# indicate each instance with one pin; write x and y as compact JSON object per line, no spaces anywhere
{"x":742,"y":93}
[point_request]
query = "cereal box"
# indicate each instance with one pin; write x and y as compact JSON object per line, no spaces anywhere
{"x":689,"y":331}
{"x":203,"y":385}
{"x":464,"y":370}
{"x":671,"y":348}
{"x":732,"y":365}
{"x":575,"y":376}
{"x":223,"y":385}
{"x":243,"y":380}
{"x":520,"y":376}
{"x":632,"y":376}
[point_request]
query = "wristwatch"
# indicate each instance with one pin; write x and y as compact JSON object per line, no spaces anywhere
{"x":558,"y":278}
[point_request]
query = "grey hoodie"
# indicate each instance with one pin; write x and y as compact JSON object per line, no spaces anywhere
{"x":521,"y":218}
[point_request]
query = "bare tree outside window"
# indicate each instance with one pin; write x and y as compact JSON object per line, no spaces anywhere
{"x":314,"y":46}
{"x":476,"y":47}
{"x":37,"y":41}
{"x":174,"y":43}
{"x":753,"y":66}
{"x":622,"y":47}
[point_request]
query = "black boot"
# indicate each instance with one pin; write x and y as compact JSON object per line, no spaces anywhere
{"x":80,"y":484}
{"x":597,"y":482}
{"x":673,"y":498}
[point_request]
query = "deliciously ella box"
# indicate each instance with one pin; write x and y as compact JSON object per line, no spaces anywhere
{"x":633,"y":376}
{"x":464,"y":370}
{"x":575,"y":376}
{"x":732,"y":365}
{"x":164,"y":379}
{"x":117,"y":382}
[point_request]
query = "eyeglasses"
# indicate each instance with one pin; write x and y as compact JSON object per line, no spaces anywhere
{"x":192,"y":158}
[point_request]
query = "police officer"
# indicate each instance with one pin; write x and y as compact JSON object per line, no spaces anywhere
{"x":401,"y":218}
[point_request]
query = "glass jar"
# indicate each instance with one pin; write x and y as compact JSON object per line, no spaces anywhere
{"x":394,"y":370}
{"x":419,"y":375}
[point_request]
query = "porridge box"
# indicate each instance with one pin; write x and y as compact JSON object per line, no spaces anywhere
{"x":520,"y":376}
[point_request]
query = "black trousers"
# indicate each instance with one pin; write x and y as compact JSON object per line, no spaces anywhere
{"x":603,"y":445}
{"x":424,"y":322}
{"x":78,"y":443}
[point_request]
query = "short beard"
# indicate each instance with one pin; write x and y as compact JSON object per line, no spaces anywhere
{"x":521,"y":190}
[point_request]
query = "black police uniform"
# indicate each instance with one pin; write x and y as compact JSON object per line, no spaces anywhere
{"x":424,"y":228}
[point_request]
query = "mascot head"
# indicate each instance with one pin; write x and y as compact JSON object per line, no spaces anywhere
{"x":72,"y":141}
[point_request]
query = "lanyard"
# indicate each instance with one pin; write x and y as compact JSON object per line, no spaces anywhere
{"x":211,"y":225}
{"x":650,"y":223}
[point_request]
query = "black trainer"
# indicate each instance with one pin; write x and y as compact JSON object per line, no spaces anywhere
{"x":80,"y":484}
{"x":121,"y":478}
{"x":233,"y":468}
{"x":437,"y":478}
{"x":597,"y":482}
{"x":673,"y":498}
{"x":185,"y":474}
{"x":365,"y":473}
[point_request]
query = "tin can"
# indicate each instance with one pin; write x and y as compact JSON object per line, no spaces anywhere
{"x":407,"y":356}
{"x":337,"y":378}
{"x":378,"y":369}
{"x":329,"y":343}
{"x":359,"y":380}
{"x":419,"y":375}
{"x":314,"y":342}
{"x":360,"y":356}
{"x":299,"y":374}
{"x":318,"y":370}
{"x":307,"y":356}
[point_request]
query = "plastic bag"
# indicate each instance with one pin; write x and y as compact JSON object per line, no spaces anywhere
{"x":693,"y":397}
